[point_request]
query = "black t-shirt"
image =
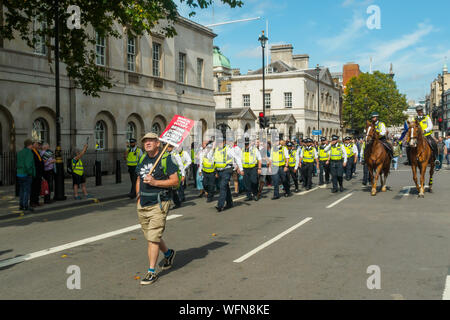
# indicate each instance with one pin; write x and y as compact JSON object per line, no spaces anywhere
{"x":143,"y":168}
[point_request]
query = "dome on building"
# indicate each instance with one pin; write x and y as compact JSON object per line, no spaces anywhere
{"x":219,"y":60}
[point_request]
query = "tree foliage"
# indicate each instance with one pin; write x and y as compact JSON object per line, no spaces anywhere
{"x":77,"y":46}
{"x":373,"y":92}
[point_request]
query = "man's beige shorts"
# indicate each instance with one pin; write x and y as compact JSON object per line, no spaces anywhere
{"x":153,"y":220}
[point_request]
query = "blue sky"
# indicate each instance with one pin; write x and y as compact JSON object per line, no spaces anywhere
{"x":414,"y":35}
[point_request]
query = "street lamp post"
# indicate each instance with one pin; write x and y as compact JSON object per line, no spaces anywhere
{"x":263,"y":39}
{"x":318,"y":100}
{"x":59,"y":178}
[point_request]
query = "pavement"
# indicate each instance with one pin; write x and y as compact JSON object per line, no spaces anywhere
{"x":9,"y":203}
{"x":313,"y":245}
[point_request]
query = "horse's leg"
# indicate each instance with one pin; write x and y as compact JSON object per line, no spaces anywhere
{"x":423,"y":169}
{"x":385,"y":173}
{"x":430,"y":188}
{"x":375,"y":180}
{"x":414,"y":171}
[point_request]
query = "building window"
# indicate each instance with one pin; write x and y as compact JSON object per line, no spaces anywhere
{"x":131,"y":54}
{"x":100,"y":135}
{"x":181,"y":67}
{"x":100,"y":50}
{"x":288,"y":99}
{"x":39,"y":46}
{"x":200,"y":72}
{"x":40,"y":130}
{"x":156,"y":128}
{"x":267,"y":100}
{"x":156,"y":59}
{"x":228,"y":87}
{"x":246,"y":100}
{"x":131,"y":130}
{"x":228,"y":102}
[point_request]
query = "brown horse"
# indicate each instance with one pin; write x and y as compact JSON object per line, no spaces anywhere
{"x":421,"y":156}
{"x":376,"y":157}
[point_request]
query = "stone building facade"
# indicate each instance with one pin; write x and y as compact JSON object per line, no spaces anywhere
{"x":154,"y":78}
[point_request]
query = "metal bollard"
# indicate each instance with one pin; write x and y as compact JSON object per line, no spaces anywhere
{"x":118,"y":172}
{"x":98,"y":173}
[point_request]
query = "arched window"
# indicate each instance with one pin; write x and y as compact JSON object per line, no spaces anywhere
{"x":156,"y":128}
{"x":40,"y":130}
{"x":131,"y":130}
{"x":100,"y":135}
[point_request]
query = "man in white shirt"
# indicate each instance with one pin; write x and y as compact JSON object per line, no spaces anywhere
{"x":186,"y":163}
{"x":238,"y":152}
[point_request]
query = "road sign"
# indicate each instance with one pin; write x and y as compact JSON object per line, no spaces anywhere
{"x":317,"y":132}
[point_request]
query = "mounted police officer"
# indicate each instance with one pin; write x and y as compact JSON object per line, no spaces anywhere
{"x":132,"y":156}
{"x":427,"y":127}
{"x":380,"y":127}
{"x":324,"y":156}
{"x":338,"y":161}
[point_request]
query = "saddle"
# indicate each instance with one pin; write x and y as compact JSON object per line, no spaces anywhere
{"x":388,"y":148}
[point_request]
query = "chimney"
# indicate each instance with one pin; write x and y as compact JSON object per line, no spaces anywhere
{"x":300,"y":61}
{"x":281,"y":52}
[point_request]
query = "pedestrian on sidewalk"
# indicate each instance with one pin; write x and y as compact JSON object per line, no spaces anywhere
{"x":25,"y":173}
{"x":37,"y":179}
{"x":132,"y":156}
{"x":441,"y":152}
{"x":49,"y":169}
{"x":78,"y":176}
{"x":153,"y":201}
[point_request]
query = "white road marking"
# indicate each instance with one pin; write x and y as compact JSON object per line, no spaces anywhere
{"x":337,"y":201}
{"x":307,"y":191}
{"x":446,"y":294}
{"x":268,"y":243}
{"x":70,"y":245}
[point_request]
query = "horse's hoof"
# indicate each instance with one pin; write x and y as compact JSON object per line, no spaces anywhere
{"x":383,"y":189}
{"x":421,"y":195}
{"x":373,"y":193}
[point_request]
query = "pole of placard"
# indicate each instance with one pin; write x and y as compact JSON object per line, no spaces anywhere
{"x":159,"y":158}
{"x":118,"y":172}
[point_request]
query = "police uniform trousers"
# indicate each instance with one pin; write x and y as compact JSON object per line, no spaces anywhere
{"x":324,"y":168}
{"x":194,"y":173}
{"x":251,"y":181}
{"x":181,"y":190}
{"x":307,"y":168}
{"x":349,"y":167}
{"x":292,"y":173}
{"x":224,"y":187}
{"x":278,"y":175}
{"x":337,"y":172}
{"x":365,"y":174}
{"x":209,"y":183}
{"x":175,"y":197}
{"x":133,"y":179}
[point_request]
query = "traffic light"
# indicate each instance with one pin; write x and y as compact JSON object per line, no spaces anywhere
{"x":261,"y":119}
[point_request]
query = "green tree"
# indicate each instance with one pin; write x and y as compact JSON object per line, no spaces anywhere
{"x":372,"y":92}
{"x":77,"y":46}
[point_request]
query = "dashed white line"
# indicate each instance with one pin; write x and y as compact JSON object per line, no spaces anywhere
{"x":70,"y":245}
{"x":446,"y":294}
{"x":268,"y":243}
{"x":337,"y":201}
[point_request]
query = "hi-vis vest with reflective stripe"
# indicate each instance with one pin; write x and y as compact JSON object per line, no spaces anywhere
{"x":181,"y":156}
{"x":308,"y":155}
{"x":133,"y":157}
{"x":78,"y":168}
{"x":221,"y":158}
{"x":249,"y":158}
{"x":292,"y":158}
{"x":277,"y":157}
{"x":336,"y":152}
{"x":323,"y":155}
{"x":424,"y":125}
{"x":378,"y":126}
{"x":349,"y":150}
{"x":208,"y":165}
